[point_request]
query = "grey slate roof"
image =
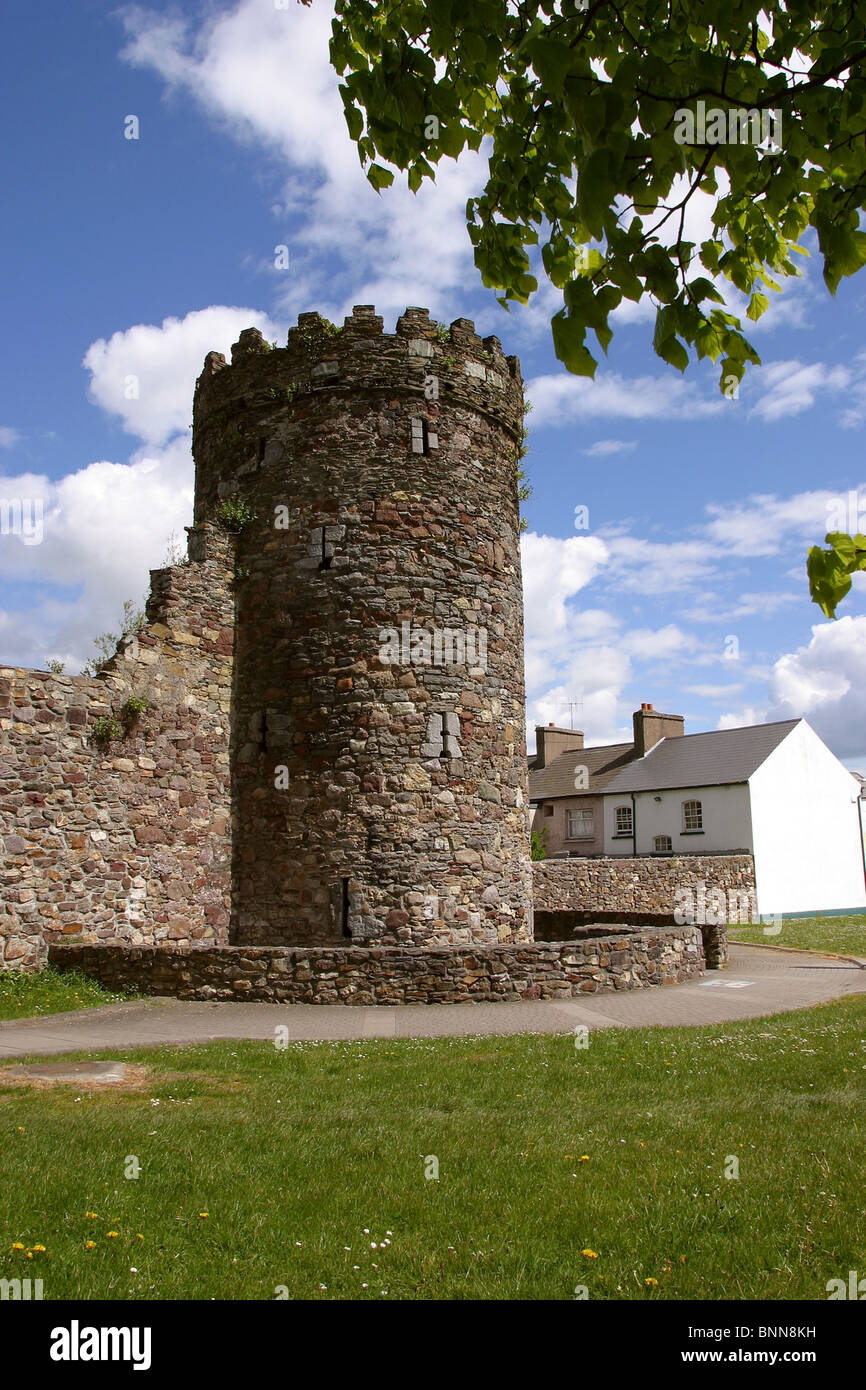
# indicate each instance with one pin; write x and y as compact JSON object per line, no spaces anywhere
{"x":557,"y":779}
{"x":703,"y":760}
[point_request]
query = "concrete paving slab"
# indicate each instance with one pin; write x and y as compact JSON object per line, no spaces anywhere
{"x":759,"y":981}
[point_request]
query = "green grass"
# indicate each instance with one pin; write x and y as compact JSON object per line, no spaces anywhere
{"x":844,"y":936}
{"x":24,"y":994}
{"x":304,"y":1158}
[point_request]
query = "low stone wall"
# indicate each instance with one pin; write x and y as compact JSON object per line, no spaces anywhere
{"x":622,"y":959}
{"x":651,"y":888}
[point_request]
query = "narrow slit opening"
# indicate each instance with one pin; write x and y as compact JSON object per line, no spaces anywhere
{"x":262,"y":446}
{"x":345,"y":908}
{"x":325,"y":563}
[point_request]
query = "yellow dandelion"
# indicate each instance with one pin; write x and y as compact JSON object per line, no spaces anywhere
{"x":139,"y":1236}
{"x":590,"y":1254}
{"x":584,"y":1158}
{"x":111,"y":1235}
{"x":91,"y":1215}
{"x":18,"y":1245}
{"x":30,"y":1254}
{"x":39,"y":1249}
{"x":20,"y":1129}
{"x":90,"y":1245}
{"x":650,"y":1281}
{"x":202,"y":1214}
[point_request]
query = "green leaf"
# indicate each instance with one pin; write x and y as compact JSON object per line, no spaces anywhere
{"x":380,"y":178}
{"x":568,"y":336}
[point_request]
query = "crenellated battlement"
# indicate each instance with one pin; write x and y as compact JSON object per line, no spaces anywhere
{"x":265,"y":386}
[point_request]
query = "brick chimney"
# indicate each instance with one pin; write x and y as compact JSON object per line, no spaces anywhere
{"x":550,"y":742}
{"x":650,"y":726}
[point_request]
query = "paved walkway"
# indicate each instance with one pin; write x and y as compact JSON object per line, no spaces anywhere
{"x":758,"y":982}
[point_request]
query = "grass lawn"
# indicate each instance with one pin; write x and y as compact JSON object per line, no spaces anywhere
{"x":24,"y":994}
{"x":558,"y":1166}
{"x":844,"y":936}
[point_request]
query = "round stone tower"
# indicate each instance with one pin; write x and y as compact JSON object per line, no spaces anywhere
{"x":378,"y":746}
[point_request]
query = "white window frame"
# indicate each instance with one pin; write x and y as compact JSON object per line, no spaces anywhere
{"x":693,"y":820}
{"x":623,"y":821}
{"x":668,"y":846}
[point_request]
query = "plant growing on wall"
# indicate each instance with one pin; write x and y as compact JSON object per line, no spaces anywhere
{"x":538,"y":844}
{"x":233,"y":515}
{"x":105,"y":730}
{"x":132,"y":708}
{"x":132,"y":619}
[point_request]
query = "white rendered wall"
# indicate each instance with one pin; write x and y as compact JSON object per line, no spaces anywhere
{"x":807,"y":845}
{"x":726,"y":820}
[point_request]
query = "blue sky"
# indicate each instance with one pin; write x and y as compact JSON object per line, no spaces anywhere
{"x":133,"y":258}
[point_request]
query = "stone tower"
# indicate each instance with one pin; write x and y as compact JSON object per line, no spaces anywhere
{"x":378,"y":758}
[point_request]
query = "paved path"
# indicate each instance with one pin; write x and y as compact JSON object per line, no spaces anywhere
{"x":758,"y":982}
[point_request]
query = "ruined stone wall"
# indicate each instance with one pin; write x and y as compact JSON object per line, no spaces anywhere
{"x":398,"y":975}
{"x":125,"y":840}
{"x":648,"y":888}
{"x":645,"y":886}
{"x":374,"y":800}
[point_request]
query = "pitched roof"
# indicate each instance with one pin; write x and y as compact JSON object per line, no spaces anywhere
{"x":722,"y":757}
{"x":557,"y":779}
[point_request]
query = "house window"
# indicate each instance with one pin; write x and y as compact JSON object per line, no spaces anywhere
{"x":693,"y":817}
{"x":579,"y":825}
{"x":623,"y":820}
{"x":548,"y":809}
{"x":662,"y":844}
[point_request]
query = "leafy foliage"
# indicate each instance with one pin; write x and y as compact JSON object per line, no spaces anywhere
{"x":132,"y":708}
{"x":105,"y":730}
{"x":538,"y":844}
{"x":132,"y":618}
{"x":830,"y":570}
{"x":233,"y":515}
{"x":581,"y":104}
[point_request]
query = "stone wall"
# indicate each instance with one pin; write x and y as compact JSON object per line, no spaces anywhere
{"x":376,"y":798}
{"x":126,"y":839}
{"x":622,"y":959}
{"x":650,"y":888}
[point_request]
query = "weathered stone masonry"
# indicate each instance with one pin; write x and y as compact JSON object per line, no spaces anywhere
{"x":381,"y":474}
{"x":616,"y":959}
{"x":130,"y":840}
{"x":296,"y":811}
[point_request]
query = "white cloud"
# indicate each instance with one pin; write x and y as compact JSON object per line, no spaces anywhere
{"x":823,"y":681}
{"x":146,"y":374}
{"x":604,"y":447}
{"x":765,"y":522}
{"x":659,"y":644}
{"x":713,"y":692}
{"x":264,"y":75}
{"x":8,"y":437}
{"x":559,"y":399}
{"x":789,"y":388}
{"x":657,"y":567}
{"x":104,"y":527}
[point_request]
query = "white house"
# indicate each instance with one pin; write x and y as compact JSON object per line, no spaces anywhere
{"x":774,"y":790}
